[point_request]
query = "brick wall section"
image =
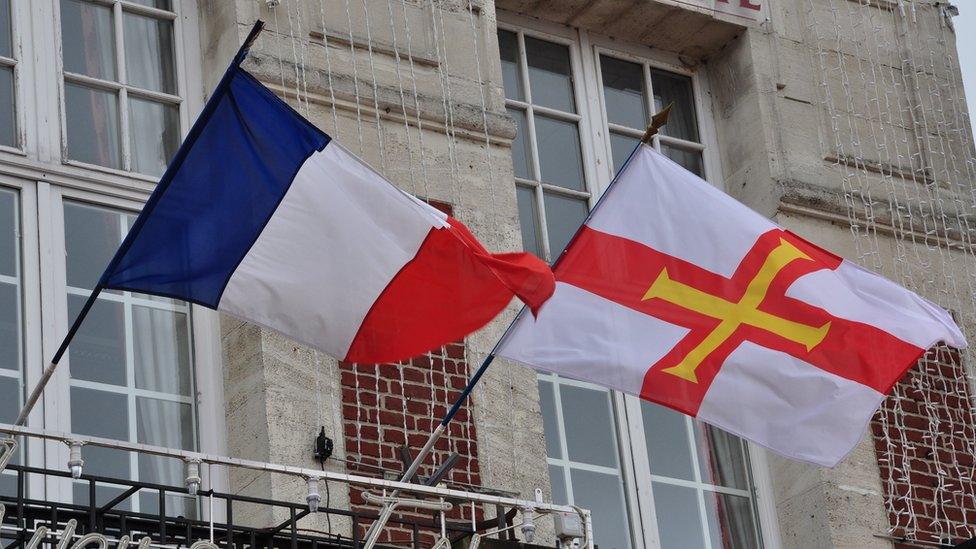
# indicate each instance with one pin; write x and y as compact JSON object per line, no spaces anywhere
{"x":385,"y":406}
{"x":924,"y":438}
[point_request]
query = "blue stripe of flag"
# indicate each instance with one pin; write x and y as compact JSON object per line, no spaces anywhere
{"x":217,"y":195}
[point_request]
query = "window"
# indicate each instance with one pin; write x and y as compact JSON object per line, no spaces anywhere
{"x":8,"y":67}
{"x":553,"y":191}
{"x":632,"y":92}
{"x":11,"y":338}
{"x":700,"y":482}
{"x":102,"y":113}
{"x":583,"y":455}
{"x":131,"y":365}
{"x":121,"y":95}
{"x":597,"y":441}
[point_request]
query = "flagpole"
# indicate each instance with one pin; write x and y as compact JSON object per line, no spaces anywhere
{"x":49,"y":371}
{"x":76,"y":325}
{"x":657,"y":122}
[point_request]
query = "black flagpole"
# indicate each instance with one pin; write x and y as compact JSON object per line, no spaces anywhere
{"x":191,"y":137}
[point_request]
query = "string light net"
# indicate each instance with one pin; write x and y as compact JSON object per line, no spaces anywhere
{"x":896,"y":132}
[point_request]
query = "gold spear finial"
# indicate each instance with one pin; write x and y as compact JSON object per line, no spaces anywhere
{"x":658,"y":121}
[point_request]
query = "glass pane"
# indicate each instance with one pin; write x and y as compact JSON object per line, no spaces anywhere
{"x":103,"y":494}
{"x":158,"y":136}
{"x":623,"y":89}
{"x":620,"y":147}
{"x":730,"y":521}
{"x":589,"y":426}
{"x":88,"y":39}
{"x":557,"y":477}
{"x":101,"y":414}
{"x":93,"y":126}
{"x":91,"y":236}
{"x":98,"y":351}
{"x":8,"y":123}
{"x":6,"y":33}
{"x":9,"y":399}
{"x":564,"y":215}
{"x":529,"y":220}
{"x":678,"y":518}
{"x":559,"y":152}
{"x":8,"y":487}
{"x":8,"y":233}
{"x":550,"y":74}
{"x":168,"y":424}
{"x":149,"y":53}
{"x":721,"y":457}
{"x":9,"y":327}
{"x":689,"y":160}
{"x":159,"y":4}
{"x":508,"y":49}
{"x":165,"y":423}
{"x":669,"y":87}
{"x":604,"y":496}
{"x":521,"y":153}
{"x":547,"y":402}
{"x":162,"y":351}
{"x":666,"y":434}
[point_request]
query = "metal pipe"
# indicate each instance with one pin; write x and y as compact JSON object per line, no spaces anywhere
{"x":49,"y":371}
{"x":304,"y":473}
{"x":373,"y":533}
{"x":415,"y":503}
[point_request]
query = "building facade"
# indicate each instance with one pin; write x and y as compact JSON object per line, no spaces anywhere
{"x":842,"y":120}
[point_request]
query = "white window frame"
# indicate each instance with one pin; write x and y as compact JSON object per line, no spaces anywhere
{"x":123,"y":90}
{"x":23,"y":71}
{"x":62,"y":383}
{"x":37,"y":169}
{"x":30,"y":304}
{"x":585,"y":49}
{"x":580,"y":118}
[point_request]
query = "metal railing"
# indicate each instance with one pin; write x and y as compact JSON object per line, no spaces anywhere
{"x":111,"y":519}
{"x":25,"y":517}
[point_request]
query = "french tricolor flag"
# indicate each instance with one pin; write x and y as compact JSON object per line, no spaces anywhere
{"x":264,"y":217}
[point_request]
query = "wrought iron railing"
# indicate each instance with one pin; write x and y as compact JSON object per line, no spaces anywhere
{"x":24,"y":516}
{"x":27,"y":522}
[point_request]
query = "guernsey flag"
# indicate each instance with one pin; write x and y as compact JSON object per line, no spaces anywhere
{"x":264,"y":217}
{"x":677,"y":293}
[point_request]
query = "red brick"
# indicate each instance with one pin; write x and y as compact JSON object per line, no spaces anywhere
{"x":394,"y":436}
{"x":411,"y":390}
{"x":455,"y":351}
{"x":937,"y":408}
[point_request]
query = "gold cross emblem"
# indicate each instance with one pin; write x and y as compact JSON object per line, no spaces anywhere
{"x":734,"y":314}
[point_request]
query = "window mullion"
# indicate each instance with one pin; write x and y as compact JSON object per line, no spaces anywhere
{"x":696,"y":476}
{"x":540,"y":206}
{"x":119,"y":14}
{"x":523,"y":64}
{"x":563,"y":446}
{"x":130,"y":371}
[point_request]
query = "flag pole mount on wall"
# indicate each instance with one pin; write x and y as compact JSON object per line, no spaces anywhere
{"x":59,"y":354}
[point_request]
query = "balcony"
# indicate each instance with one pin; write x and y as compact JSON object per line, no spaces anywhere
{"x":214,"y":519}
